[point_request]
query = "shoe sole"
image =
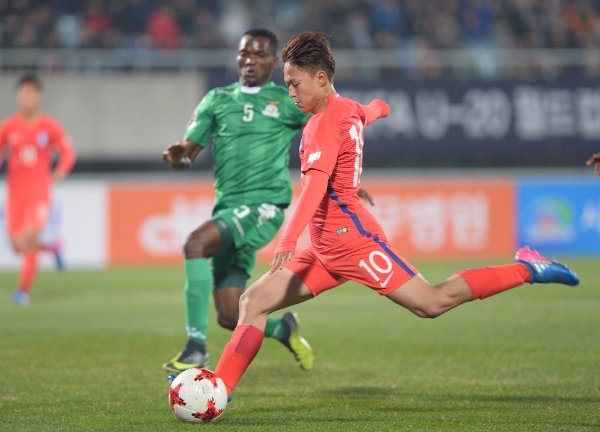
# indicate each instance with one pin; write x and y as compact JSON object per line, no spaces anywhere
{"x":169,"y":367}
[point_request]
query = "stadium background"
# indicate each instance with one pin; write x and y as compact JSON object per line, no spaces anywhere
{"x":495,"y":108}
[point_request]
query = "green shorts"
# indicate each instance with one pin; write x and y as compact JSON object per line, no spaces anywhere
{"x":244,"y":230}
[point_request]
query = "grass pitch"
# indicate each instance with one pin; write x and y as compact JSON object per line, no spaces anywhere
{"x":86,"y":355}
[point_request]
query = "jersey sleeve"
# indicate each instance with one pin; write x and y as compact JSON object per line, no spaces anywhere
{"x":375,"y":110}
{"x":201,"y":125}
{"x":311,"y":196}
{"x":62,"y":143}
{"x":322,"y":146}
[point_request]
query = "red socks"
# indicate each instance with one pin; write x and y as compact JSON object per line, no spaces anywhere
{"x":238,"y":354}
{"x":28,"y":271}
{"x":488,"y":281}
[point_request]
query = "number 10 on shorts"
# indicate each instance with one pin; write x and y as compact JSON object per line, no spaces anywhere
{"x":374,"y":267}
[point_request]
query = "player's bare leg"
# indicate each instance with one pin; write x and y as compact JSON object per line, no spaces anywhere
{"x":29,"y":242}
{"x":430,"y":301}
{"x":227,"y":303}
{"x":203,"y":242}
{"x":285,"y":329}
{"x":273,"y":291}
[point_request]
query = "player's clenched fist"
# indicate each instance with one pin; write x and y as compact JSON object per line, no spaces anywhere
{"x":174,"y":152}
{"x":180,"y":154}
{"x":383,"y":107}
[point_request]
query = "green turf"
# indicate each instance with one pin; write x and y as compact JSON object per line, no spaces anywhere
{"x":86,"y":355}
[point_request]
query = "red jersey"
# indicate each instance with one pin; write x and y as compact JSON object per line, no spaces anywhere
{"x":332,"y":142}
{"x":30,"y":149}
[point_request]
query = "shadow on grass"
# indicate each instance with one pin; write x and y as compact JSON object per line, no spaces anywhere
{"x":347,"y":405}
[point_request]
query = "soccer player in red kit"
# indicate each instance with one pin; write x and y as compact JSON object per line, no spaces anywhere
{"x":347,"y":242}
{"x":29,"y":137}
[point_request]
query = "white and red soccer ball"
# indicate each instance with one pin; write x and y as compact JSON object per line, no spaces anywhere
{"x":197,"y":396}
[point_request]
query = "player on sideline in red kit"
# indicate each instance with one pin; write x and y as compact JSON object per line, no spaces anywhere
{"x":347,"y":243}
{"x":29,"y":137}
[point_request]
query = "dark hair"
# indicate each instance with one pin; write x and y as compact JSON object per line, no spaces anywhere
{"x":260,"y":32}
{"x":311,"y":52}
{"x":30,"y":78}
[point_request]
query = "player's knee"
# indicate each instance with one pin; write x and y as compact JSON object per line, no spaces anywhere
{"x":228,"y":319}
{"x":18,"y":246}
{"x":194,"y":247}
{"x":433,"y":313}
{"x":431,"y":304}
{"x":428,"y":311}
{"x":250,"y":304}
{"x":245,"y":302}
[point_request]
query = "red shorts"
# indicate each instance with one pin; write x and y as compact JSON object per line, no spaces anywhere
{"x":367,"y":260}
{"x":26,"y":212}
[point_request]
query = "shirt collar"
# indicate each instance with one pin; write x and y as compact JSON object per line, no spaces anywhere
{"x":249,"y":90}
{"x":253,"y":90}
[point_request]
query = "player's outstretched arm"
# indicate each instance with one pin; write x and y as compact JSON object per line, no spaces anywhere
{"x":375,"y":110}
{"x":181,"y":154}
{"x":595,"y":162}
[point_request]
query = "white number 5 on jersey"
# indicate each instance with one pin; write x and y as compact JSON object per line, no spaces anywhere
{"x":248,"y":113}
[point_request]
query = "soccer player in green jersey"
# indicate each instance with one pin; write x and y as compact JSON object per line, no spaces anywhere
{"x":252,"y":123}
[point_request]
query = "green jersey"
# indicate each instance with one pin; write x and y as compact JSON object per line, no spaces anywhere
{"x":252,"y":128}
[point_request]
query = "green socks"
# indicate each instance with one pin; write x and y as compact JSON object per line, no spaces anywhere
{"x":274,"y":327}
{"x":198,"y":285}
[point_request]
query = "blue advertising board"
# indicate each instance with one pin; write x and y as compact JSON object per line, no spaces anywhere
{"x":559,"y":215}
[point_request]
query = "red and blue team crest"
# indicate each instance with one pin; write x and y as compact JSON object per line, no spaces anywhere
{"x":42,"y":139}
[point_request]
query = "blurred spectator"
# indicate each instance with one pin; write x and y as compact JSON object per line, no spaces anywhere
{"x":476,"y":20}
{"x":558,"y":34}
{"x":387,"y":23}
{"x":358,"y":28}
{"x":206,"y":33}
{"x":68,"y":28}
{"x":439,"y":24}
{"x":163,"y":29}
{"x":583,"y":22}
{"x":136,"y":15}
{"x":185,"y":15}
{"x":96,"y":23}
